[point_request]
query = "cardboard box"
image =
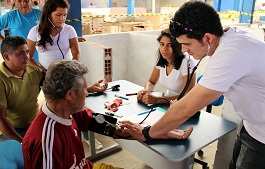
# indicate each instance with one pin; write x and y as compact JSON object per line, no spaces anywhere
{"x":110,"y":29}
{"x":158,"y":20}
{"x":97,"y":22}
{"x":139,"y":28}
{"x":148,"y":25}
{"x":86,"y":28}
{"x":113,"y":27}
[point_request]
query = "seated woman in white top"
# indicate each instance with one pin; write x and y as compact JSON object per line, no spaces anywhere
{"x":171,"y":71}
{"x":52,"y":38}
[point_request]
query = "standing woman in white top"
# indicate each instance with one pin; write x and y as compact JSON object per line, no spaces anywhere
{"x":171,"y":71}
{"x":52,"y":38}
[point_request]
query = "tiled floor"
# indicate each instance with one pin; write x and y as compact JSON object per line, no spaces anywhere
{"x":126,"y":160}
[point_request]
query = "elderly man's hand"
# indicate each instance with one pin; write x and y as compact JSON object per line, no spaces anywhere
{"x":81,"y":39}
{"x":96,"y":87}
{"x":135,"y":130}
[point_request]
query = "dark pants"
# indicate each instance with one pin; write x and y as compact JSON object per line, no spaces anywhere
{"x":20,"y":131}
{"x":248,"y":153}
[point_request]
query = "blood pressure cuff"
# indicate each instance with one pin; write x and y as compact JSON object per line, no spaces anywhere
{"x":102,"y":124}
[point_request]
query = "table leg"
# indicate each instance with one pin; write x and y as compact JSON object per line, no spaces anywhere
{"x":95,"y":155}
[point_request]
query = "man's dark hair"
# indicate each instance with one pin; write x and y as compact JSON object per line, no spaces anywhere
{"x":194,"y":19}
{"x":11,"y":43}
{"x":35,"y":3}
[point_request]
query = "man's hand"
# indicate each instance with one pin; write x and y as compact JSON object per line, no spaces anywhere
{"x":120,"y":134}
{"x":8,"y":130}
{"x":179,"y":134}
{"x":135,"y":130}
{"x":81,"y":39}
{"x":96,"y":87}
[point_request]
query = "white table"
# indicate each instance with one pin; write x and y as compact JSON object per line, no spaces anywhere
{"x":164,"y":153}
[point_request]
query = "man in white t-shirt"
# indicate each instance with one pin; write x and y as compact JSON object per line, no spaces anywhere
{"x":236,"y":69}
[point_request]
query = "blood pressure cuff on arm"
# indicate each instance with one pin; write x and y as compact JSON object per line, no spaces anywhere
{"x":102,"y":124}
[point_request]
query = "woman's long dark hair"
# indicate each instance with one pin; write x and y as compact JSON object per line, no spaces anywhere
{"x":176,"y":47}
{"x":45,"y":25}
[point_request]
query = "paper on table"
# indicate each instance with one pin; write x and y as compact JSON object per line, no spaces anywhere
{"x":151,"y":119}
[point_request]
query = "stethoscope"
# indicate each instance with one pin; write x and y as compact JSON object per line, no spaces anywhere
{"x":193,"y":71}
{"x":189,"y":78}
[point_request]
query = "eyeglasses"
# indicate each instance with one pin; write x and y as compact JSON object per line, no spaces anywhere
{"x":178,"y":27}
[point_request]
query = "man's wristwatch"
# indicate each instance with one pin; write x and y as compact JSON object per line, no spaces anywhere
{"x":145,"y":132}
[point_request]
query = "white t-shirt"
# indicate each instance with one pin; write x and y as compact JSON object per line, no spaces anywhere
{"x":46,"y":57}
{"x":238,"y":68}
{"x":173,"y":82}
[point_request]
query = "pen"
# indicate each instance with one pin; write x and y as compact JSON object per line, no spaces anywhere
{"x":125,"y":98}
{"x":131,"y":94}
{"x":147,"y":111}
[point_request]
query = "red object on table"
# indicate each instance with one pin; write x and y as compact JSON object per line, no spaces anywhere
{"x":113,"y":106}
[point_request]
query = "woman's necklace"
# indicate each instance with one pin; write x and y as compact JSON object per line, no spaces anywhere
{"x":53,"y":111}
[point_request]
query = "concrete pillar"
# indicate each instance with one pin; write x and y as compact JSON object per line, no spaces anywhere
{"x":153,"y":6}
{"x":223,"y":5}
{"x":130,"y":7}
{"x":74,"y":16}
{"x":217,"y":5}
{"x":244,"y":6}
{"x":247,"y":6}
